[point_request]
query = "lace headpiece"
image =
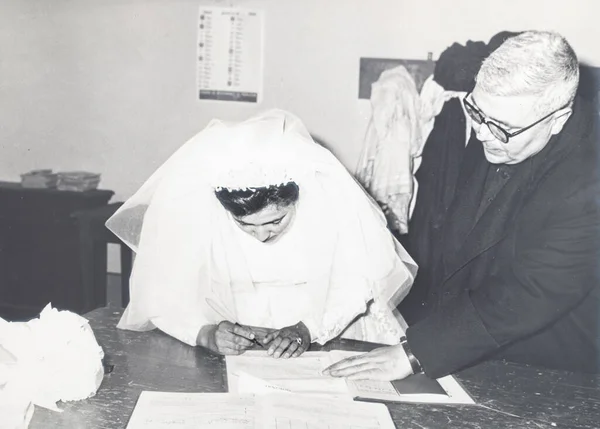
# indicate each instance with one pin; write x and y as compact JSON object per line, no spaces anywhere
{"x":242,"y":163}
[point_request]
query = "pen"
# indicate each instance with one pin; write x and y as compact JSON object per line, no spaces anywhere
{"x":255,"y":341}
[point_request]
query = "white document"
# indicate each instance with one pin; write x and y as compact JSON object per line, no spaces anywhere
{"x":249,"y":384}
{"x":164,"y":410}
{"x":451,"y":391}
{"x":385,"y":391}
{"x":310,"y":412}
{"x":230,"y":54}
{"x":263,"y":374}
{"x":298,"y":375}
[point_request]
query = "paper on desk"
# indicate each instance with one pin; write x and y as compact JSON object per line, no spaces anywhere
{"x":298,"y":375}
{"x":303,"y":375}
{"x":51,"y":358}
{"x":160,"y":410}
{"x":414,"y":389}
{"x":248,"y":384}
{"x":310,"y":412}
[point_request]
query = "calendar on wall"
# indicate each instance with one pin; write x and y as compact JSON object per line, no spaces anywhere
{"x":230,"y":54}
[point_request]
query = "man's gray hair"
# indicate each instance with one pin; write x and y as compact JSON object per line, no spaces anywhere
{"x":538,"y":63}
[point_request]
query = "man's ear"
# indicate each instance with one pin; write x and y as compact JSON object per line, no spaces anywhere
{"x":559,"y":120}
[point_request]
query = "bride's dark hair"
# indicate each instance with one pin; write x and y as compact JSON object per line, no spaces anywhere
{"x":244,"y":202}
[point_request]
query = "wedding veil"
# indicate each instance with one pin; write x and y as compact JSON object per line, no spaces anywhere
{"x":186,"y":254}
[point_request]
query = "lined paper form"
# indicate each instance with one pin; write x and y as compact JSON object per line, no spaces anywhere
{"x":164,"y":410}
{"x":309,"y":412}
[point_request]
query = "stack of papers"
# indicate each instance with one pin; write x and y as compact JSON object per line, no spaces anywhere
{"x":256,"y":372}
{"x":39,"y":179}
{"x":290,"y":394}
{"x":79,"y":181}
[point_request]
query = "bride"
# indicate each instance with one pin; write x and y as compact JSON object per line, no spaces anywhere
{"x":252,"y":234}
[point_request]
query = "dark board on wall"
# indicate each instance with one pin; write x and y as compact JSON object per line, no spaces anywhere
{"x":371,"y":69}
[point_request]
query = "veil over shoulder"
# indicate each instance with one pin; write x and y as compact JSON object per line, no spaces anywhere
{"x":189,"y":266}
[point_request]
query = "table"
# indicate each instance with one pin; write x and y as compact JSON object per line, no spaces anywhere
{"x":94,"y":237}
{"x":40,"y":256}
{"x":509,"y":396}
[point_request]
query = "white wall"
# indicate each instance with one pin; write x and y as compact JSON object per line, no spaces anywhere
{"x":109,"y":86}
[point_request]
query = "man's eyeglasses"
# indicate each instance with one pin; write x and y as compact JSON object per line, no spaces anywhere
{"x":496,"y":130}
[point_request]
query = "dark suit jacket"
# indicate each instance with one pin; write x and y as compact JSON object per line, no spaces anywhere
{"x":522,"y":281}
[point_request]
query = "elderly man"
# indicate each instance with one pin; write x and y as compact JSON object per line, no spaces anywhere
{"x":512,"y":267}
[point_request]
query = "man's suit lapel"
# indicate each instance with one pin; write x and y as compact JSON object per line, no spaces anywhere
{"x":460,"y":216}
{"x":493,"y":224}
{"x":477,"y":234}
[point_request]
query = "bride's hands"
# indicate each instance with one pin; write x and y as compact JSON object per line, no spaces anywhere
{"x":287,"y":342}
{"x":228,"y":338}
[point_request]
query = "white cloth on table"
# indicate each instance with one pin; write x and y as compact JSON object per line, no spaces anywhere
{"x":51,"y":358}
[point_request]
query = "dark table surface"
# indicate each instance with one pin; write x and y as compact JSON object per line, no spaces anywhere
{"x":508,"y":395}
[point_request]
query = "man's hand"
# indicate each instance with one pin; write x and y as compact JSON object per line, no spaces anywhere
{"x":226,"y":338}
{"x":287,"y":342}
{"x":384,"y":364}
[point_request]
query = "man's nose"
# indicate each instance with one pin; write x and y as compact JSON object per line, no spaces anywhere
{"x":482,"y":132}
